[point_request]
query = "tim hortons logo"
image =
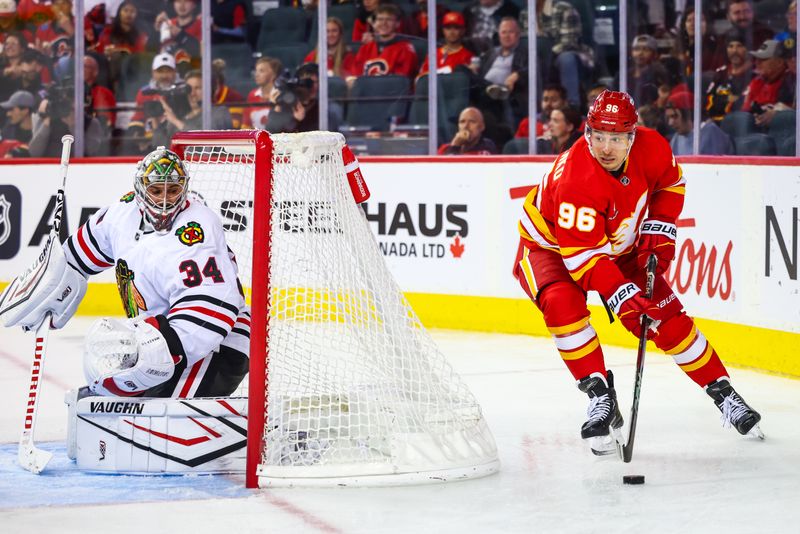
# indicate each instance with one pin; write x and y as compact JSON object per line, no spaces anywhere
{"x":133,"y":408}
{"x":699,"y":267}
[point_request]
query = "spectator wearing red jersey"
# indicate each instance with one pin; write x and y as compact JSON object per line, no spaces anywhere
{"x":469,"y":138}
{"x":773,"y":89}
{"x":452,"y":53}
{"x":387,"y":53}
{"x":122,"y":36}
{"x":180,"y":35}
{"x":102,"y":97}
{"x":266,"y":72}
{"x":340,"y":57}
{"x":62,"y":26}
{"x":363,"y":31}
{"x":553,"y":96}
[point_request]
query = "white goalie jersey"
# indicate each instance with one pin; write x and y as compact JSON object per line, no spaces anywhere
{"x":187,"y":275}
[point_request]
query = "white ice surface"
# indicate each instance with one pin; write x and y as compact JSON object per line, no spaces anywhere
{"x":700,"y":477}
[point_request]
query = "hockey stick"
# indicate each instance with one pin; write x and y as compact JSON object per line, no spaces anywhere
{"x":28,"y":456}
{"x":625,"y":451}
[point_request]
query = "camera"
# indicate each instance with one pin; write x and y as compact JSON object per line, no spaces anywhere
{"x":176,"y":96}
{"x":292,"y":89}
{"x":59,"y":100}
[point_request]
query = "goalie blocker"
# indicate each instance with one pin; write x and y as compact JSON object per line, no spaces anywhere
{"x":148,"y":435}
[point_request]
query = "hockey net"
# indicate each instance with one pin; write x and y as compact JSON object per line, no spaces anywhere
{"x":346,"y":386}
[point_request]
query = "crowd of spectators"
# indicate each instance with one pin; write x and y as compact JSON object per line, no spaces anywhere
{"x":143,"y":83}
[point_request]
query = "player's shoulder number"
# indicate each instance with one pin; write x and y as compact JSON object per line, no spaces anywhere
{"x":581,"y":218}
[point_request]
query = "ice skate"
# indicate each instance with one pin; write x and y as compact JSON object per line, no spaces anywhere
{"x":602,"y":428}
{"x":735,"y":411}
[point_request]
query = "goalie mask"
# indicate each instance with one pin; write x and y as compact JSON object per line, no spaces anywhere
{"x":161,"y":187}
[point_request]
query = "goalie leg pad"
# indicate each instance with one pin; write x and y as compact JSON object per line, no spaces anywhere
{"x":146,"y":435}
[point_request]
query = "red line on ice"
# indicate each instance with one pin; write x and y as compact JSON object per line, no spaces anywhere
{"x":307,"y":517}
{"x":25,"y":365}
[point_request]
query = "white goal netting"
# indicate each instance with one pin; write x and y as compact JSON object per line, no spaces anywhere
{"x":357,"y":390}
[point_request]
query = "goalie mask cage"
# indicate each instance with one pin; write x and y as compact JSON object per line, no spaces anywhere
{"x":346,"y":386}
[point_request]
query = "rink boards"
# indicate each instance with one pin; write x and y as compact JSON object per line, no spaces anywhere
{"x":447,"y":228}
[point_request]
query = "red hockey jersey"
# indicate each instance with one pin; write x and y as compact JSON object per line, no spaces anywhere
{"x":447,"y":62}
{"x":590,"y":216}
{"x":396,"y":57}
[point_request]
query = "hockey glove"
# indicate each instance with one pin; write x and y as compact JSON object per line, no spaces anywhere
{"x":50,"y":285}
{"x":124,"y":358}
{"x":656,"y":237}
{"x":629,"y":304}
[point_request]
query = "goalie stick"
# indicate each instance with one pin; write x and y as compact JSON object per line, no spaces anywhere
{"x":28,"y":455}
{"x":625,"y":451}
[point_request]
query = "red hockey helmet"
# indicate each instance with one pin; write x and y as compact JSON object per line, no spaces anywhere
{"x":613,"y":111}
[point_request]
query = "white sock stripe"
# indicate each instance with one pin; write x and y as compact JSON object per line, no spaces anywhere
{"x":693,"y":351}
{"x":576,"y":339}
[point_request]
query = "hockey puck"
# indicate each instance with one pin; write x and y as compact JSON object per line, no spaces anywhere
{"x":633,"y":479}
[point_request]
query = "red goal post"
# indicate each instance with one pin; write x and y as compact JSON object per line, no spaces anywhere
{"x":261,"y":145}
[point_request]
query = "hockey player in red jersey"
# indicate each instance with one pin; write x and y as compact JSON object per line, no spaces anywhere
{"x":605,"y":206}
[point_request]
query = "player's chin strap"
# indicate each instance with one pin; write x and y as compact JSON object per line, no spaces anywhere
{"x":149,"y":435}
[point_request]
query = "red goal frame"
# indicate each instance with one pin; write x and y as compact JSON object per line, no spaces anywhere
{"x":259,"y":285}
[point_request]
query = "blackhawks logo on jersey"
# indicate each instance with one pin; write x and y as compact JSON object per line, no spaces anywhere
{"x":190,"y":234}
{"x":127,"y":197}
{"x":132,"y":300}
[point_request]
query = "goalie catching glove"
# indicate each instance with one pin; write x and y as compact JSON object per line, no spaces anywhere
{"x":656,"y":237}
{"x":50,"y":285}
{"x":126,"y":357}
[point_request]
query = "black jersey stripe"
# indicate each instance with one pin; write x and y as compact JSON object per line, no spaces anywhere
{"x":241,"y":332}
{"x":205,"y":298}
{"x":94,"y":243}
{"x":83,"y":267}
{"x":199,"y":322}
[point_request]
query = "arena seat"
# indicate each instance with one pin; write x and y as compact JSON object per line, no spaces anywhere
{"x":282,"y":26}
{"x":738,"y":124}
{"x":754,"y":144}
{"x":383,"y":103}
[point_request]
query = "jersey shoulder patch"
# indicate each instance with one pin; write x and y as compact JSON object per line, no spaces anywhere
{"x":190,"y":233}
{"x":127,"y":197}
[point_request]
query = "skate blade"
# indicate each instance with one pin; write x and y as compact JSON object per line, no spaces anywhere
{"x":603,"y":445}
{"x":756,"y":433}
